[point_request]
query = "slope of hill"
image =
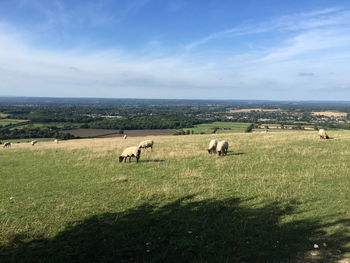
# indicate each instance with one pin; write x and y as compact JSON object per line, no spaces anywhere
{"x":274,"y":197}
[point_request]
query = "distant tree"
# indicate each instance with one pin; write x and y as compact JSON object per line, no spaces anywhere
{"x":249,"y":128}
{"x":215,"y":129}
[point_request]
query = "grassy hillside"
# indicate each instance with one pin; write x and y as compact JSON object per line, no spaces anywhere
{"x":271,"y":199}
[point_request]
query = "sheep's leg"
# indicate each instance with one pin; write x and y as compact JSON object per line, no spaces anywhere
{"x":125,"y":159}
{"x":137,"y":159}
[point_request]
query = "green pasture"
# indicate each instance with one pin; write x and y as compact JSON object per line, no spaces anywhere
{"x":47,"y":125}
{"x":275,"y":197}
{"x":5,"y":122}
{"x":223,"y":127}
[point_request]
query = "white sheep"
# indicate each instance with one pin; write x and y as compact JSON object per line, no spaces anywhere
{"x":7,"y":144}
{"x":323,"y":134}
{"x":34,"y":142}
{"x":125,"y":136}
{"x":222,"y":148}
{"x":55,"y":141}
{"x":212,"y":146}
{"x":133,"y":151}
{"x":146,"y":144}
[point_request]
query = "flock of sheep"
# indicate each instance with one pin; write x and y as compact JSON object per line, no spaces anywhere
{"x":220,"y":147}
{"x":135,"y":151}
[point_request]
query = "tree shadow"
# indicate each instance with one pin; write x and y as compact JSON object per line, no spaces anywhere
{"x":185,"y":231}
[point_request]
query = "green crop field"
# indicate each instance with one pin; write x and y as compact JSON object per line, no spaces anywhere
{"x":4,"y":122}
{"x":223,"y":127}
{"x":275,"y":197}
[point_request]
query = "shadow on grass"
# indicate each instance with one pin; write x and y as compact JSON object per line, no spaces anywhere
{"x":185,"y":231}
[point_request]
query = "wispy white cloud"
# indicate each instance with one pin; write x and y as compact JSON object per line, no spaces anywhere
{"x":289,"y":23}
{"x":313,"y":46}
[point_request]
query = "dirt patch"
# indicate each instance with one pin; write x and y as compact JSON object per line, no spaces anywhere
{"x":102,"y":133}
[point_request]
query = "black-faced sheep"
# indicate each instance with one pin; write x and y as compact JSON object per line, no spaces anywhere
{"x":322,"y":133}
{"x":125,"y":136}
{"x":7,"y":144}
{"x":222,"y":148}
{"x":133,"y":151}
{"x":212,"y":146}
{"x":146,"y":144}
{"x":34,"y":142}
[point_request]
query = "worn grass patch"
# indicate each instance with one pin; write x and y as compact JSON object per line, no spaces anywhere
{"x":271,"y":199}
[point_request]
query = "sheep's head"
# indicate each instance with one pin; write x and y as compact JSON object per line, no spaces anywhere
{"x":121,"y":158}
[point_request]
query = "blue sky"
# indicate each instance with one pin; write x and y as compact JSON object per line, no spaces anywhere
{"x":199,"y":49}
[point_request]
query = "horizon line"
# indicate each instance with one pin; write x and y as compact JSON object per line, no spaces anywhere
{"x":177,"y":99}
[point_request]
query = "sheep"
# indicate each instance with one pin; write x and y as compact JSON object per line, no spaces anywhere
{"x":6,"y":145}
{"x":133,"y":151}
{"x":55,"y":141}
{"x":146,"y":144}
{"x":125,"y":136}
{"x":323,"y":135}
{"x":34,"y":142}
{"x":212,"y":146}
{"x":222,"y":148}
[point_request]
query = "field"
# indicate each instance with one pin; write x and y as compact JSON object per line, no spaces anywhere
{"x":28,"y":140}
{"x":254,"y":109}
{"x":330,"y":113}
{"x":3,"y":115}
{"x":85,"y":133}
{"x":49,"y":124}
{"x":4,"y":122}
{"x":223,"y":127}
{"x":275,"y":197}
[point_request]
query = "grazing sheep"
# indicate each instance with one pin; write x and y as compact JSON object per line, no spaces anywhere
{"x":55,"y":141}
{"x":146,"y":144}
{"x":212,"y":146}
{"x":6,"y":145}
{"x":125,"y":136}
{"x":323,"y":134}
{"x":34,"y":142}
{"x":222,"y":148}
{"x":133,"y":151}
